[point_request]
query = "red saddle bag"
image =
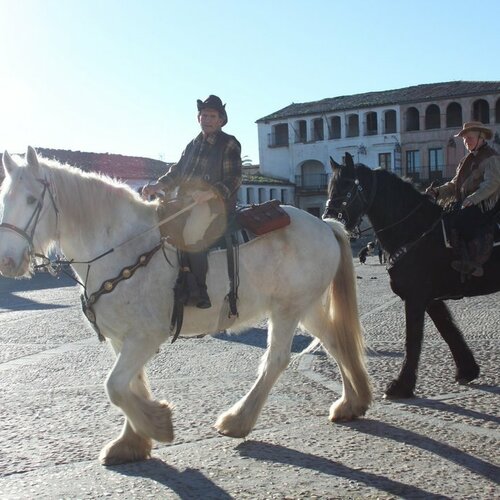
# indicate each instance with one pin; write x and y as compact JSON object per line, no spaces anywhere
{"x":263,"y":218}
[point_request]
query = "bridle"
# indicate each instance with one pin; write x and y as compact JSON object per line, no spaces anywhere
{"x":28,"y":233}
{"x":341,"y":204}
{"x":356,"y":191}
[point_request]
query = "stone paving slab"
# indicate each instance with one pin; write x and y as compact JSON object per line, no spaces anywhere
{"x":55,"y":417}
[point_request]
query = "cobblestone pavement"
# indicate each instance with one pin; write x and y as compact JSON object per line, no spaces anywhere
{"x":55,"y":417}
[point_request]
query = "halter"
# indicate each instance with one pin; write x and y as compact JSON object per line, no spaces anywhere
{"x":28,"y":233}
{"x":355,"y":191}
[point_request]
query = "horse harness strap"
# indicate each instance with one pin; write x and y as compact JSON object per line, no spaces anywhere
{"x":403,"y":250}
{"x":356,"y":190}
{"x":108,"y":286}
{"x":33,"y":220}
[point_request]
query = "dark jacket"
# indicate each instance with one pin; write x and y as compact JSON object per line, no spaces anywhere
{"x":214,"y":161}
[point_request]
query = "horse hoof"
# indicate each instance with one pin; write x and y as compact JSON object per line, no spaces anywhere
{"x":396,"y":391}
{"x":464,"y":377}
{"x":126,"y":449}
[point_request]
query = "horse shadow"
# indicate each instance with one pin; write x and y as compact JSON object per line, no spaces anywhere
{"x":387,"y":431}
{"x":40,"y":281}
{"x":279,"y":454}
{"x":187,"y":484}
{"x":274,"y":453}
{"x":456,"y":409}
{"x":257,"y":337}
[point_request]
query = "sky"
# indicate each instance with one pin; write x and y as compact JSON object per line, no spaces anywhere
{"x":123,"y":76}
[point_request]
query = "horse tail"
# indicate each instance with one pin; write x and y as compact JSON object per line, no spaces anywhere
{"x":343,"y":311}
{"x":334,"y":321}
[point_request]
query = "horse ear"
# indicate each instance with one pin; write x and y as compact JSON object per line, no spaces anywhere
{"x":31,"y":157}
{"x":349,"y":162}
{"x":334,"y":164}
{"x":8,"y":163}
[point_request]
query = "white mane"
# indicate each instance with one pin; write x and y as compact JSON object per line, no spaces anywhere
{"x":90,"y":196}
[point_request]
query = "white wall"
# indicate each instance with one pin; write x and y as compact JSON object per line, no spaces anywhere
{"x":284,"y":162}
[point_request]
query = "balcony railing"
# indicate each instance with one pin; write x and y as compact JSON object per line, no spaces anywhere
{"x":277,"y":141}
{"x":312,"y":182}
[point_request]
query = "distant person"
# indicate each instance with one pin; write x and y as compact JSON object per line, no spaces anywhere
{"x":475,"y":189}
{"x":364,"y":252}
{"x":209,"y":173}
{"x":382,"y":254}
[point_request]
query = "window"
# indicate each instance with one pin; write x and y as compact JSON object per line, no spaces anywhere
{"x":279,"y":136}
{"x":432,"y":117}
{"x":371,"y":123}
{"x":334,"y":127}
{"x":497,"y":112}
{"x":390,"y":122}
{"x":301,"y":131}
{"x":318,"y":130}
{"x":454,"y":115}
{"x":250,"y":196}
{"x":262,"y":195}
{"x":273,"y":194}
{"x":284,"y":196}
{"x":413,"y":164}
{"x":352,"y":126}
{"x":384,"y":161}
{"x":436,"y":164}
{"x":412,"y":119}
{"x":481,"y":111}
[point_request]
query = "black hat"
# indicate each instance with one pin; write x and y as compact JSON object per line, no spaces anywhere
{"x":213,"y":102}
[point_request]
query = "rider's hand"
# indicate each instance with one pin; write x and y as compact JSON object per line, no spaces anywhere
{"x":430,"y":191}
{"x":467,"y":203}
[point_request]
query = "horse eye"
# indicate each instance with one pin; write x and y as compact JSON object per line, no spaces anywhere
{"x":31,"y":200}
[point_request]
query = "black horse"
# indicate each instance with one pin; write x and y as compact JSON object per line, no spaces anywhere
{"x":408,"y":226}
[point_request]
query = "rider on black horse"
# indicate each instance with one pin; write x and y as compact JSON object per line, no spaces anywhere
{"x":475,"y":189}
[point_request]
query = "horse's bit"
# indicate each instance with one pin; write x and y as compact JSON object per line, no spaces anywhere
{"x":27,"y":233}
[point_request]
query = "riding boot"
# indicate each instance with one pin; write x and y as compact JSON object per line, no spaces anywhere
{"x":199,"y":266}
{"x":462,"y":263}
{"x":480,"y":250}
{"x":469,"y":263}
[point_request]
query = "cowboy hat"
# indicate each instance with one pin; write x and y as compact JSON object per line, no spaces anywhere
{"x":475,"y":127}
{"x":213,"y":102}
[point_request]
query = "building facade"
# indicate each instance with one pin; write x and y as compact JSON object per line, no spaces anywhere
{"x":409,"y":131}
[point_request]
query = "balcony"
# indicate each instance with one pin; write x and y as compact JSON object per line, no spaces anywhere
{"x":277,"y":140}
{"x":312,"y":182}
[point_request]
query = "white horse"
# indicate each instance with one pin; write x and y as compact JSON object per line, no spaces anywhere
{"x":302,"y":274}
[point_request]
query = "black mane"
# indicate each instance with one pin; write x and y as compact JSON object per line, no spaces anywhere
{"x":400,"y":213}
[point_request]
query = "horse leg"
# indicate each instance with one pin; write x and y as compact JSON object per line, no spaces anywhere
{"x":467,"y":368}
{"x":240,"y":419}
{"x":344,"y":342}
{"x":148,"y":418}
{"x":404,"y":385}
{"x":129,"y":446}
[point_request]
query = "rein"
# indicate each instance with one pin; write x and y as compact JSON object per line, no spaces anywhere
{"x":394,"y":224}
